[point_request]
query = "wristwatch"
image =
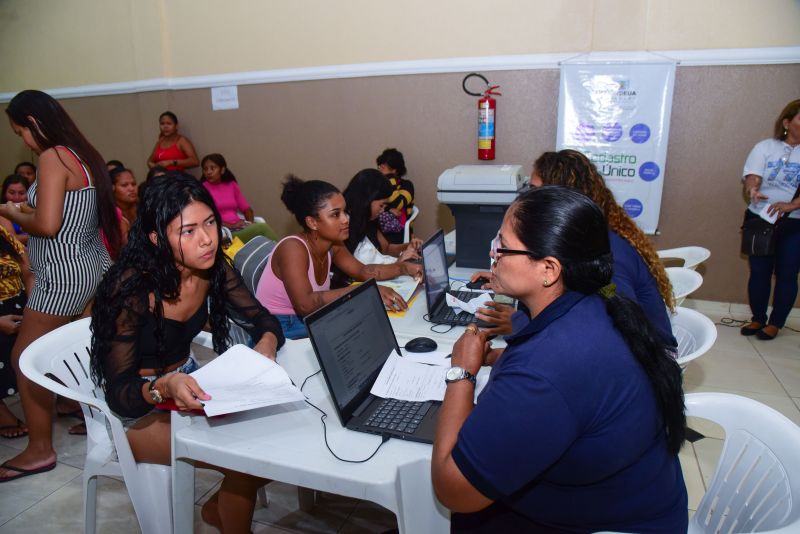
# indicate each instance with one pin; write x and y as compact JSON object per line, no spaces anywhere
{"x":154,"y":393}
{"x":454,"y":374}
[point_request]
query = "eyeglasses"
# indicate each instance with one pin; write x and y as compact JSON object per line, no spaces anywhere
{"x":496,"y":248}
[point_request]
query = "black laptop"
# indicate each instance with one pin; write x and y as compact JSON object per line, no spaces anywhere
{"x":352,"y":338}
{"x":437,"y":284}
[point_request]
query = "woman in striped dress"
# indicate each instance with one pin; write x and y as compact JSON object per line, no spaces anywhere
{"x":69,"y":202}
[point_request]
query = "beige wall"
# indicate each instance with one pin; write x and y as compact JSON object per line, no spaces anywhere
{"x":49,"y":44}
{"x":331,"y":129}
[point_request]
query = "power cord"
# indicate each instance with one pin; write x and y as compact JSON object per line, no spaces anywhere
{"x":324,"y":416}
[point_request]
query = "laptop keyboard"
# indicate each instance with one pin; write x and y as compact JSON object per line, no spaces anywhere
{"x":450,"y":316}
{"x":398,"y":415}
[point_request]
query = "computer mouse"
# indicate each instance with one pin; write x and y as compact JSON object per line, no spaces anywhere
{"x":421,"y":344}
{"x":477,"y":284}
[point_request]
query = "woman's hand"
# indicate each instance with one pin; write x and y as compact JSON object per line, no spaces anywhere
{"x":9,"y":209}
{"x":408,"y":254}
{"x":781,"y":208}
{"x":756,"y":195}
{"x":268,"y":346}
{"x":412,"y":269}
{"x":470,"y":350}
{"x":184,"y":390}
{"x":9,"y":324}
{"x":391,"y":299}
{"x":499,"y":315}
{"x":482,"y":274}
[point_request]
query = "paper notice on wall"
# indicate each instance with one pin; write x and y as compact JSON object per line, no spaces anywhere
{"x":224,"y":98}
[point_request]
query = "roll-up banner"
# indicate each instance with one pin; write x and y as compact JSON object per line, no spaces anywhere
{"x":617,"y":113}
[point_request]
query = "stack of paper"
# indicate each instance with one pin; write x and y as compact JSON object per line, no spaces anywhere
{"x":242,"y":379}
{"x":406,"y":378}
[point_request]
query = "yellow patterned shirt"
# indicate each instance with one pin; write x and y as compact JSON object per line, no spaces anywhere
{"x":10,"y":270}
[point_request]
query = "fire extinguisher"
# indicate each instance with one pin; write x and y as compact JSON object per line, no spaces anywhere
{"x":487,"y":116}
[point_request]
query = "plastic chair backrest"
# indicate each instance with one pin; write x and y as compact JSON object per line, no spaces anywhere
{"x":694,"y":332}
{"x":407,"y":228}
{"x":757,"y":479}
{"x":684,"y":282}
{"x":251,"y":260}
{"x":692,"y":256}
{"x":65,"y":354}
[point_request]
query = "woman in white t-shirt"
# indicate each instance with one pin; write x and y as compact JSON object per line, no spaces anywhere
{"x":771,"y":176}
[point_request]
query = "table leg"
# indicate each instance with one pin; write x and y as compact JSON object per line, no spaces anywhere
{"x":182,"y":481}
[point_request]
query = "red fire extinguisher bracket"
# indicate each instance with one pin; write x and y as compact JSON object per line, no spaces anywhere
{"x":487,"y":117}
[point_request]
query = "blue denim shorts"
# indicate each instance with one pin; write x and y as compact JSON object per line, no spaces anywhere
{"x":292,"y":326}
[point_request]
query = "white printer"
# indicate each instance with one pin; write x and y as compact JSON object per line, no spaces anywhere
{"x":478,"y":196}
{"x":486,"y":184}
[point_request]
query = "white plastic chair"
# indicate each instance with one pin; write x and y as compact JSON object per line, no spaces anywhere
{"x":407,"y":229}
{"x":756,"y":486}
{"x":684,"y":282}
{"x":691,"y":256}
{"x":695,"y":333}
{"x":64,"y":353}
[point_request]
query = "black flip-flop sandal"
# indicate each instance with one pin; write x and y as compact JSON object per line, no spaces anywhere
{"x":25,"y":472}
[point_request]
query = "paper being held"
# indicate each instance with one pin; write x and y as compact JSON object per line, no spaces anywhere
{"x":242,"y":379}
{"x":471,"y":306}
{"x":764,"y":213}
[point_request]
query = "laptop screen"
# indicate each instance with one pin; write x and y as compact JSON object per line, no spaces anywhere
{"x":352,"y":338}
{"x":434,"y":260}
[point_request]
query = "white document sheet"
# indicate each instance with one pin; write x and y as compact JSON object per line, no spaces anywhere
{"x":764,"y":213}
{"x":471,"y":306}
{"x":404,"y":379}
{"x":437,"y":357}
{"x":242,"y":379}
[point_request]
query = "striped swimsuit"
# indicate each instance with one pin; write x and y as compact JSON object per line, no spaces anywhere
{"x":68,"y":266}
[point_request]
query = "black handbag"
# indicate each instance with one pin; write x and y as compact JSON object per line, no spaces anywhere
{"x":758,"y":237}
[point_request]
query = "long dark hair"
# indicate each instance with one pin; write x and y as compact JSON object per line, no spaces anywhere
{"x":577,"y":236}
{"x":364,"y":188}
{"x":573,"y":169}
{"x":219,"y":160}
{"x":305,"y":198}
{"x":146,"y":268}
{"x":51,"y":126}
{"x":10,"y":180}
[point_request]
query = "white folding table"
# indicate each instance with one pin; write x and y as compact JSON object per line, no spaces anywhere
{"x":286,"y":443}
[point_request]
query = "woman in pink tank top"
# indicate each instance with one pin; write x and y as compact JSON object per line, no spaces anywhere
{"x":296,"y":280}
{"x":172,"y":151}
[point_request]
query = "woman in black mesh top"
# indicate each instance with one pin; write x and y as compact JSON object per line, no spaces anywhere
{"x":172,"y":279}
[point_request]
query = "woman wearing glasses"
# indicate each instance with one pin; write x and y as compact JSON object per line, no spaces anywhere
{"x":638,"y":272}
{"x":568,"y":435}
{"x":771,"y":177}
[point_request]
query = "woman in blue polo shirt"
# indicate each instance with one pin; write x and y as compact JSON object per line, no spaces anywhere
{"x":580,"y":424}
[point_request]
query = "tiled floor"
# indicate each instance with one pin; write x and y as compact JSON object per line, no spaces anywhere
{"x":766,"y":371}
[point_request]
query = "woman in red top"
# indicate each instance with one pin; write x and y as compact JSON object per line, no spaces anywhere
{"x":172,"y":151}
